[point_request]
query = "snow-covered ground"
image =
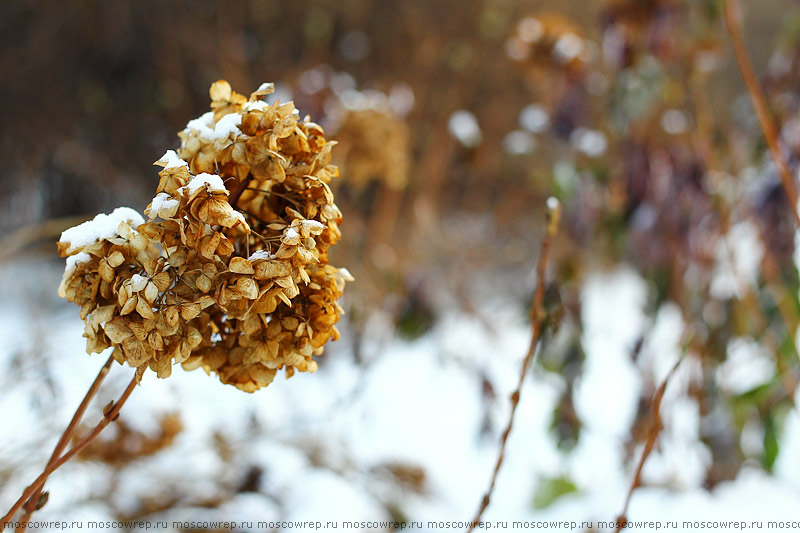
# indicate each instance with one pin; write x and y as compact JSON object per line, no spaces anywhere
{"x":325,"y":443}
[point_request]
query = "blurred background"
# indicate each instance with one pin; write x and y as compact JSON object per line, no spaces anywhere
{"x":455,"y":122}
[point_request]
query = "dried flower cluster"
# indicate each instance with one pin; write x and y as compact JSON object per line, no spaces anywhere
{"x":374,"y":146}
{"x":230,"y":272}
{"x":129,"y":443}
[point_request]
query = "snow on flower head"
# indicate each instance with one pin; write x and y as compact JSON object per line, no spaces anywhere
{"x":211,"y":182}
{"x":226,"y":275}
{"x":171,"y":160}
{"x":100,"y":227}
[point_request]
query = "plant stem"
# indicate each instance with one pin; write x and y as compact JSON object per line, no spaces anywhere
{"x":655,"y":431}
{"x":109,"y":417}
{"x":734,"y":27}
{"x":234,"y":197}
{"x":32,"y":503}
{"x":538,"y":316}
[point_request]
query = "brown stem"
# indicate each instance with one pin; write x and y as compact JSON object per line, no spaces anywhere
{"x":537,"y":322}
{"x":273,"y":193}
{"x":33,"y":503}
{"x":109,"y":417}
{"x":384,"y":219}
{"x":234,"y":197}
{"x":655,"y":430}
{"x":733,"y":24}
{"x":749,"y":295}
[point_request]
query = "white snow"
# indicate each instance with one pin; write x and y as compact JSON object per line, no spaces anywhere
{"x":314,"y":227}
{"x":534,"y":118}
{"x":291,"y":235}
{"x":591,"y":142}
{"x":261,"y":254}
{"x":100,"y":227}
{"x":464,"y":127}
{"x":747,"y":366}
{"x":162,"y":201}
{"x":205,"y":128}
{"x":138,"y":282}
{"x":519,"y":142}
{"x":73,"y":260}
{"x":675,"y":121}
{"x":202,"y":125}
{"x":401,"y":99}
{"x":266,"y":86}
{"x":227,"y":126}
{"x":568,"y":47}
{"x":738,"y":257}
{"x":258,"y":105}
{"x":322,"y":440}
{"x":212,"y":181}
{"x":613,"y":317}
{"x":787,"y":465}
{"x":172,"y":160}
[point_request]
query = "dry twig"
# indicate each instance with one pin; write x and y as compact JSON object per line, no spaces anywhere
{"x":34,"y":502}
{"x":538,"y":316}
{"x":734,"y":27}
{"x":109,"y":416}
{"x":653,"y":434}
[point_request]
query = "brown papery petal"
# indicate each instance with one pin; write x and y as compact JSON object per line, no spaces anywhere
{"x":240,"y":265}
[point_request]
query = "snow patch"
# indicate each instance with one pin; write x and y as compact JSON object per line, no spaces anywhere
{"x":464,"y":127}
{"x":73,"y":260}
{"x":204,"y":127}
{"x":258,"y":105}
{"x":162,"y":201}
{"x":738,"y":257}
{"x":100,"y":227}
{"x":172,"y":160}
{"x":747,"y":366}
{"x":261,"y":254}
{"x":211,"y":181}
{"x":227,"y":126}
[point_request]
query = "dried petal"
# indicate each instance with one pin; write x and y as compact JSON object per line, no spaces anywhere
{"x":240,"y":265}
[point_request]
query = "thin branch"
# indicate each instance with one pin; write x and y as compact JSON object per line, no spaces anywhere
{"x":655,"y":431}
{"x":749,"y":295}
{"x":234,"y":197}
{"x":734,"y":27}
{"x":33,"y":503}
{"x":286,"y":197}
{"x":109,"y":417}
{"x":538,"y":316}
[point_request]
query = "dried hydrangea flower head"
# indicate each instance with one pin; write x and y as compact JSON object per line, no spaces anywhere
{"x":230,"y":272}
{"x":375,"y":144}
{"x":374,"y":139}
